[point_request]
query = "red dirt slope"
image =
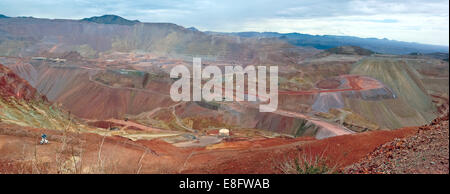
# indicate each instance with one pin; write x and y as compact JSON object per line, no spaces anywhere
{"x":425,"y":152}
{"x":259,"y":157}
{"x":11,"y":85}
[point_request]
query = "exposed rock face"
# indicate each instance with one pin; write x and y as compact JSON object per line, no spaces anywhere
{"x":21,"y":104}
{"x":88,"y":98}
{"x":424,"y":152}
{"x":325,"y":101}
{"x":11,"y":85}
{"x":351,"y":86}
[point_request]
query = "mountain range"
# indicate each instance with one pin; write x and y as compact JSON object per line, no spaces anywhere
{"x":384,"y":46}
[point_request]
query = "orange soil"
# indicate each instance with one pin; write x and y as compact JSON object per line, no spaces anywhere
{"x":328,"y":84}
{"x":263,"y":156}
{"x":104,"y":124}
{"x":354,"y":81}
{"x":156,"y":156}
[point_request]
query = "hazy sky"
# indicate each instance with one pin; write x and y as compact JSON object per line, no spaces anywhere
{"x":424,"y":21}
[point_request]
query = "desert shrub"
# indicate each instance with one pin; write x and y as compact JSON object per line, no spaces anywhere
{"x":307,"y":165}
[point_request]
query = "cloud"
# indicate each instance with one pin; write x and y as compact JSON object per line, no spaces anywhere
{"x":424,"y":21}
{"x":384,"y":21}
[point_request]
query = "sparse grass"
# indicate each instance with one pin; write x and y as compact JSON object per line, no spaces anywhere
{"x":307,"y":164}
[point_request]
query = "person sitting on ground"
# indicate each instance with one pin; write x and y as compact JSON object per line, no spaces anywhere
{"x":44,"y":139}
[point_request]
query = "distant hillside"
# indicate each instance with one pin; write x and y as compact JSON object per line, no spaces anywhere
{"x":350,"y":50}
{"x":34,"y":36}
{"x":193,"y":29}
{"x":110,"y":19}
{"x":331,"y":41}
{"x":436,"y":55}
{"x":3,"y":16}
{"x":27,"y":36}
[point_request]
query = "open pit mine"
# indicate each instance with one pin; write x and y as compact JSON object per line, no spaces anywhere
{"x":101,"y":94}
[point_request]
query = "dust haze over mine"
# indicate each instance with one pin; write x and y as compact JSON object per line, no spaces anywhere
{"x":98,"y":88}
